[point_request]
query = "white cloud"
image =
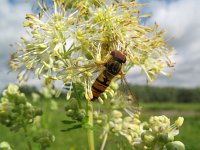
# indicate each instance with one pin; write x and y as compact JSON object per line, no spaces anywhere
{"x":12,"y":16}
{"x":180,"y":19}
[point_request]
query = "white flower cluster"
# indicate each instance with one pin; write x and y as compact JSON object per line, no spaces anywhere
{"x":15,"y":110}
{"x":120,"y":117}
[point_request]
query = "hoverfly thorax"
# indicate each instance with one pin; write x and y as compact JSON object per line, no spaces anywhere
{"x":118,"y":56}
{"x":114,"y":65}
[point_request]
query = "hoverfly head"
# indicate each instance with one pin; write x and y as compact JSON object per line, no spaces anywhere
{"x":117,"y":55}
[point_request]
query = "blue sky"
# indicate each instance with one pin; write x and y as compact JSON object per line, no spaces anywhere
{"x":180,"y":19}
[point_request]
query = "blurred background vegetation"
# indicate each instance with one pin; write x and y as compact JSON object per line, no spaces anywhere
{"x":170,"y":101}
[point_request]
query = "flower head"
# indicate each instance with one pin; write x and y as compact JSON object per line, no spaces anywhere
{"x":71,"y":41}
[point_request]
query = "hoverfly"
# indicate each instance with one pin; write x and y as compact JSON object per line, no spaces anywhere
{"x":112,"y":68}
{"x":108,"y":69}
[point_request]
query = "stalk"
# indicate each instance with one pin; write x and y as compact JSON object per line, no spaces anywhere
{"x":27,"y":138}
{"x":90,"y":132}
{"x":104,"y":141}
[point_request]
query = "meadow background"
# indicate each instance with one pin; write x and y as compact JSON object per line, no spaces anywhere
{"x":173,"y":97}
{"x":170,"y":101}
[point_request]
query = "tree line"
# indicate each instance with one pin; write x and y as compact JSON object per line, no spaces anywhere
{"x":165,"y":94}
{"x":146,"y":93}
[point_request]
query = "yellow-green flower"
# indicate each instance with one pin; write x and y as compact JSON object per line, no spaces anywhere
{"x":72,"y":40}
{"x":5,"y":146}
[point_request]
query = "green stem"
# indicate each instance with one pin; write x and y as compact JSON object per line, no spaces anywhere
{"x":27,"y":138}
{"x":90,"y":132}
{"x":77,"y":95}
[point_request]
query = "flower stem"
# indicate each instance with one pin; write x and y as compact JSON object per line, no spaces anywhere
{"x":104,"y":141}
{"x":27,"y":138}
{"x":90,"y":132}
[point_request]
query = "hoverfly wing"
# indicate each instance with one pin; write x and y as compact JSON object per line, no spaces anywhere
{"x":78,"y":72}
{"x":126,"y":89}
{"x":82,"y":69}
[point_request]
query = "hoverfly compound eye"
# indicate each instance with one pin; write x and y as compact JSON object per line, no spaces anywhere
{"x":118,"y":56}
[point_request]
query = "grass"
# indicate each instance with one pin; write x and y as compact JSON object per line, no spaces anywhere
{"x":171,"y":106}
{"x":77,"y":139}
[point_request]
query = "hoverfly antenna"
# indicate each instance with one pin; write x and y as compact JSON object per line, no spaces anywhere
{"x":119,"y":56}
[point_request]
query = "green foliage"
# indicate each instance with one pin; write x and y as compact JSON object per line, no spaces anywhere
{"x":188,"y":95}
{"x":76,"y":116}
{"x":44,"y":138}
{"x":16,"y":113}
{"x":165,"y":94}
{"x":189,"y":132}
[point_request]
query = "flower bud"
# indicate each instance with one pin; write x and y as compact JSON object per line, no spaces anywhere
{"x":116,"y":114}
{"x":5,"y":146}
{"x":118,"y":120}
{"x":112,"y":124}
{"x":170,"y":137}
{"x":105,"y":95}
{"x":137,"y":115}
{"x":100,"y":100}
{"x":114,"y":86}
{"x":176,"y":145}
{"x":127,"y":119}
{"x":163,"y":137}
{"x":148,"y":137}
{"x":145,"y":126}
{"x":136,"y":121}
{"x":99,"y":121}
{"x":69,"y":93}
{"x":12,"y":89}
{"x":45,"y":139}
{"x":179,"y":122}
{"x":81,"y":114}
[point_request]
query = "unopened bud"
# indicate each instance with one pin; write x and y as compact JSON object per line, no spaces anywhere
{"x":148,"y":137}
{"x":176,"y":145}
{"x":5,"y":146}
{"x":163,"y":137}
{"x":179,"y":121}
{"x":116,"y":114}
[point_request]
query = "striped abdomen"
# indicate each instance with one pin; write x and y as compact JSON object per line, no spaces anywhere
{"x":101,"y":83}
{"x":113,"y":67}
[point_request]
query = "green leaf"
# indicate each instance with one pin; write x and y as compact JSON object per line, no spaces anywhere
{"x":72,"y":128}
{"x":68,"y":121}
